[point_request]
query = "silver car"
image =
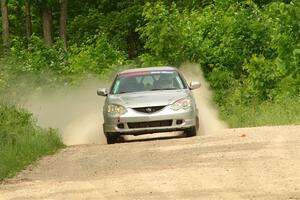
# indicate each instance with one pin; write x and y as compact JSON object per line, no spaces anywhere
{"x":149,"y":100}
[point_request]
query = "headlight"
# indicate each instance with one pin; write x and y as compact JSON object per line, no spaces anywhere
{"x":182,"y":104}
{"x":115,"y":109}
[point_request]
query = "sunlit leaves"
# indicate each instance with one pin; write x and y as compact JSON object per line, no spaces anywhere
{"x":238,"y":43}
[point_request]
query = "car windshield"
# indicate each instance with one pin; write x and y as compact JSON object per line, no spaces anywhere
{"x":148,"y":81}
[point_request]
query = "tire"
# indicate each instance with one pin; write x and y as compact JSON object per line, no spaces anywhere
{"x":191,"y":132}
{"x":197,"y":123}
{"x":111,"y":138}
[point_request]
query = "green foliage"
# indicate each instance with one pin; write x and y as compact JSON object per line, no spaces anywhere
{"x":53,"y":64}
{"x":85,"y":25}
{"x":164,"y":34}
{"x":21,"y":141}
{"x":95,"y":56}
{"x":212,"y":37}
{"x":264,"y":77}
{"x":267,"y":113}
{"x":238,"y":44}
{"x":39,"y":57}
{"x":117,"y":19}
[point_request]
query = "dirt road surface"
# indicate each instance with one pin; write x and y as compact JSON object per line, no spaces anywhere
{"x":252,"y":163}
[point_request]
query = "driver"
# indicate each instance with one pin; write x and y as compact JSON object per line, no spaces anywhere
{"x":165,"y":81}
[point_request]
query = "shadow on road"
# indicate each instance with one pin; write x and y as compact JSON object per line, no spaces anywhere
{"x":151,"y":137}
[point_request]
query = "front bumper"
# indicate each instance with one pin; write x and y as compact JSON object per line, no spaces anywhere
{"x":137,"y":123}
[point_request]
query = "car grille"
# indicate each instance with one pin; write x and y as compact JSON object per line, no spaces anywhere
{"x":150,"y":124}
{"x":149,"y":109}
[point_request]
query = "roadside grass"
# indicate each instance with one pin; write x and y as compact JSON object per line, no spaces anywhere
{"x":284,"y":112}
{"x":21,"y":141}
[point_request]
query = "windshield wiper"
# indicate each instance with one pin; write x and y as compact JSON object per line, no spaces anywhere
{"x":127,"y":92}
{"x":154,"y":89}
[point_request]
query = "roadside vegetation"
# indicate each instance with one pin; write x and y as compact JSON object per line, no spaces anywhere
{"x":249,"y":51}
{"x":21,"y":141}
{"x":267,"y":113}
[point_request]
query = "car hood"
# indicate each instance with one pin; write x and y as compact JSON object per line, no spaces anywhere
{"x":148,"y":98}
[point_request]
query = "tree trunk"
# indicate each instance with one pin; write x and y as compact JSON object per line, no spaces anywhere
{"x":47,"y":23}
{"x":28,"y":21}
{"x":170,"y":2}
{"x":5,"y":23}
{"x":63,"y":22}
{"x":131,"y":43}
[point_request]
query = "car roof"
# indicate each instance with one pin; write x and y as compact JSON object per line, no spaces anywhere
{"x":147,"y":69}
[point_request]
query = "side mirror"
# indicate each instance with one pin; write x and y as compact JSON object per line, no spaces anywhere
{"x":194,"y":85}
{"x":102,"y":92}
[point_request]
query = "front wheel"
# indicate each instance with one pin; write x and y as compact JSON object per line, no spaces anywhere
{"x":112,"y":138}
{"x":191,"y":132}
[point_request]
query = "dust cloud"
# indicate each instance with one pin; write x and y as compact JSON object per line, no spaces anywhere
{"x":76,"y":112}
{"x":208,"y":114}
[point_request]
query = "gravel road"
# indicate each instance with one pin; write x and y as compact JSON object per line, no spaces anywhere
{"x":251,"y":163}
